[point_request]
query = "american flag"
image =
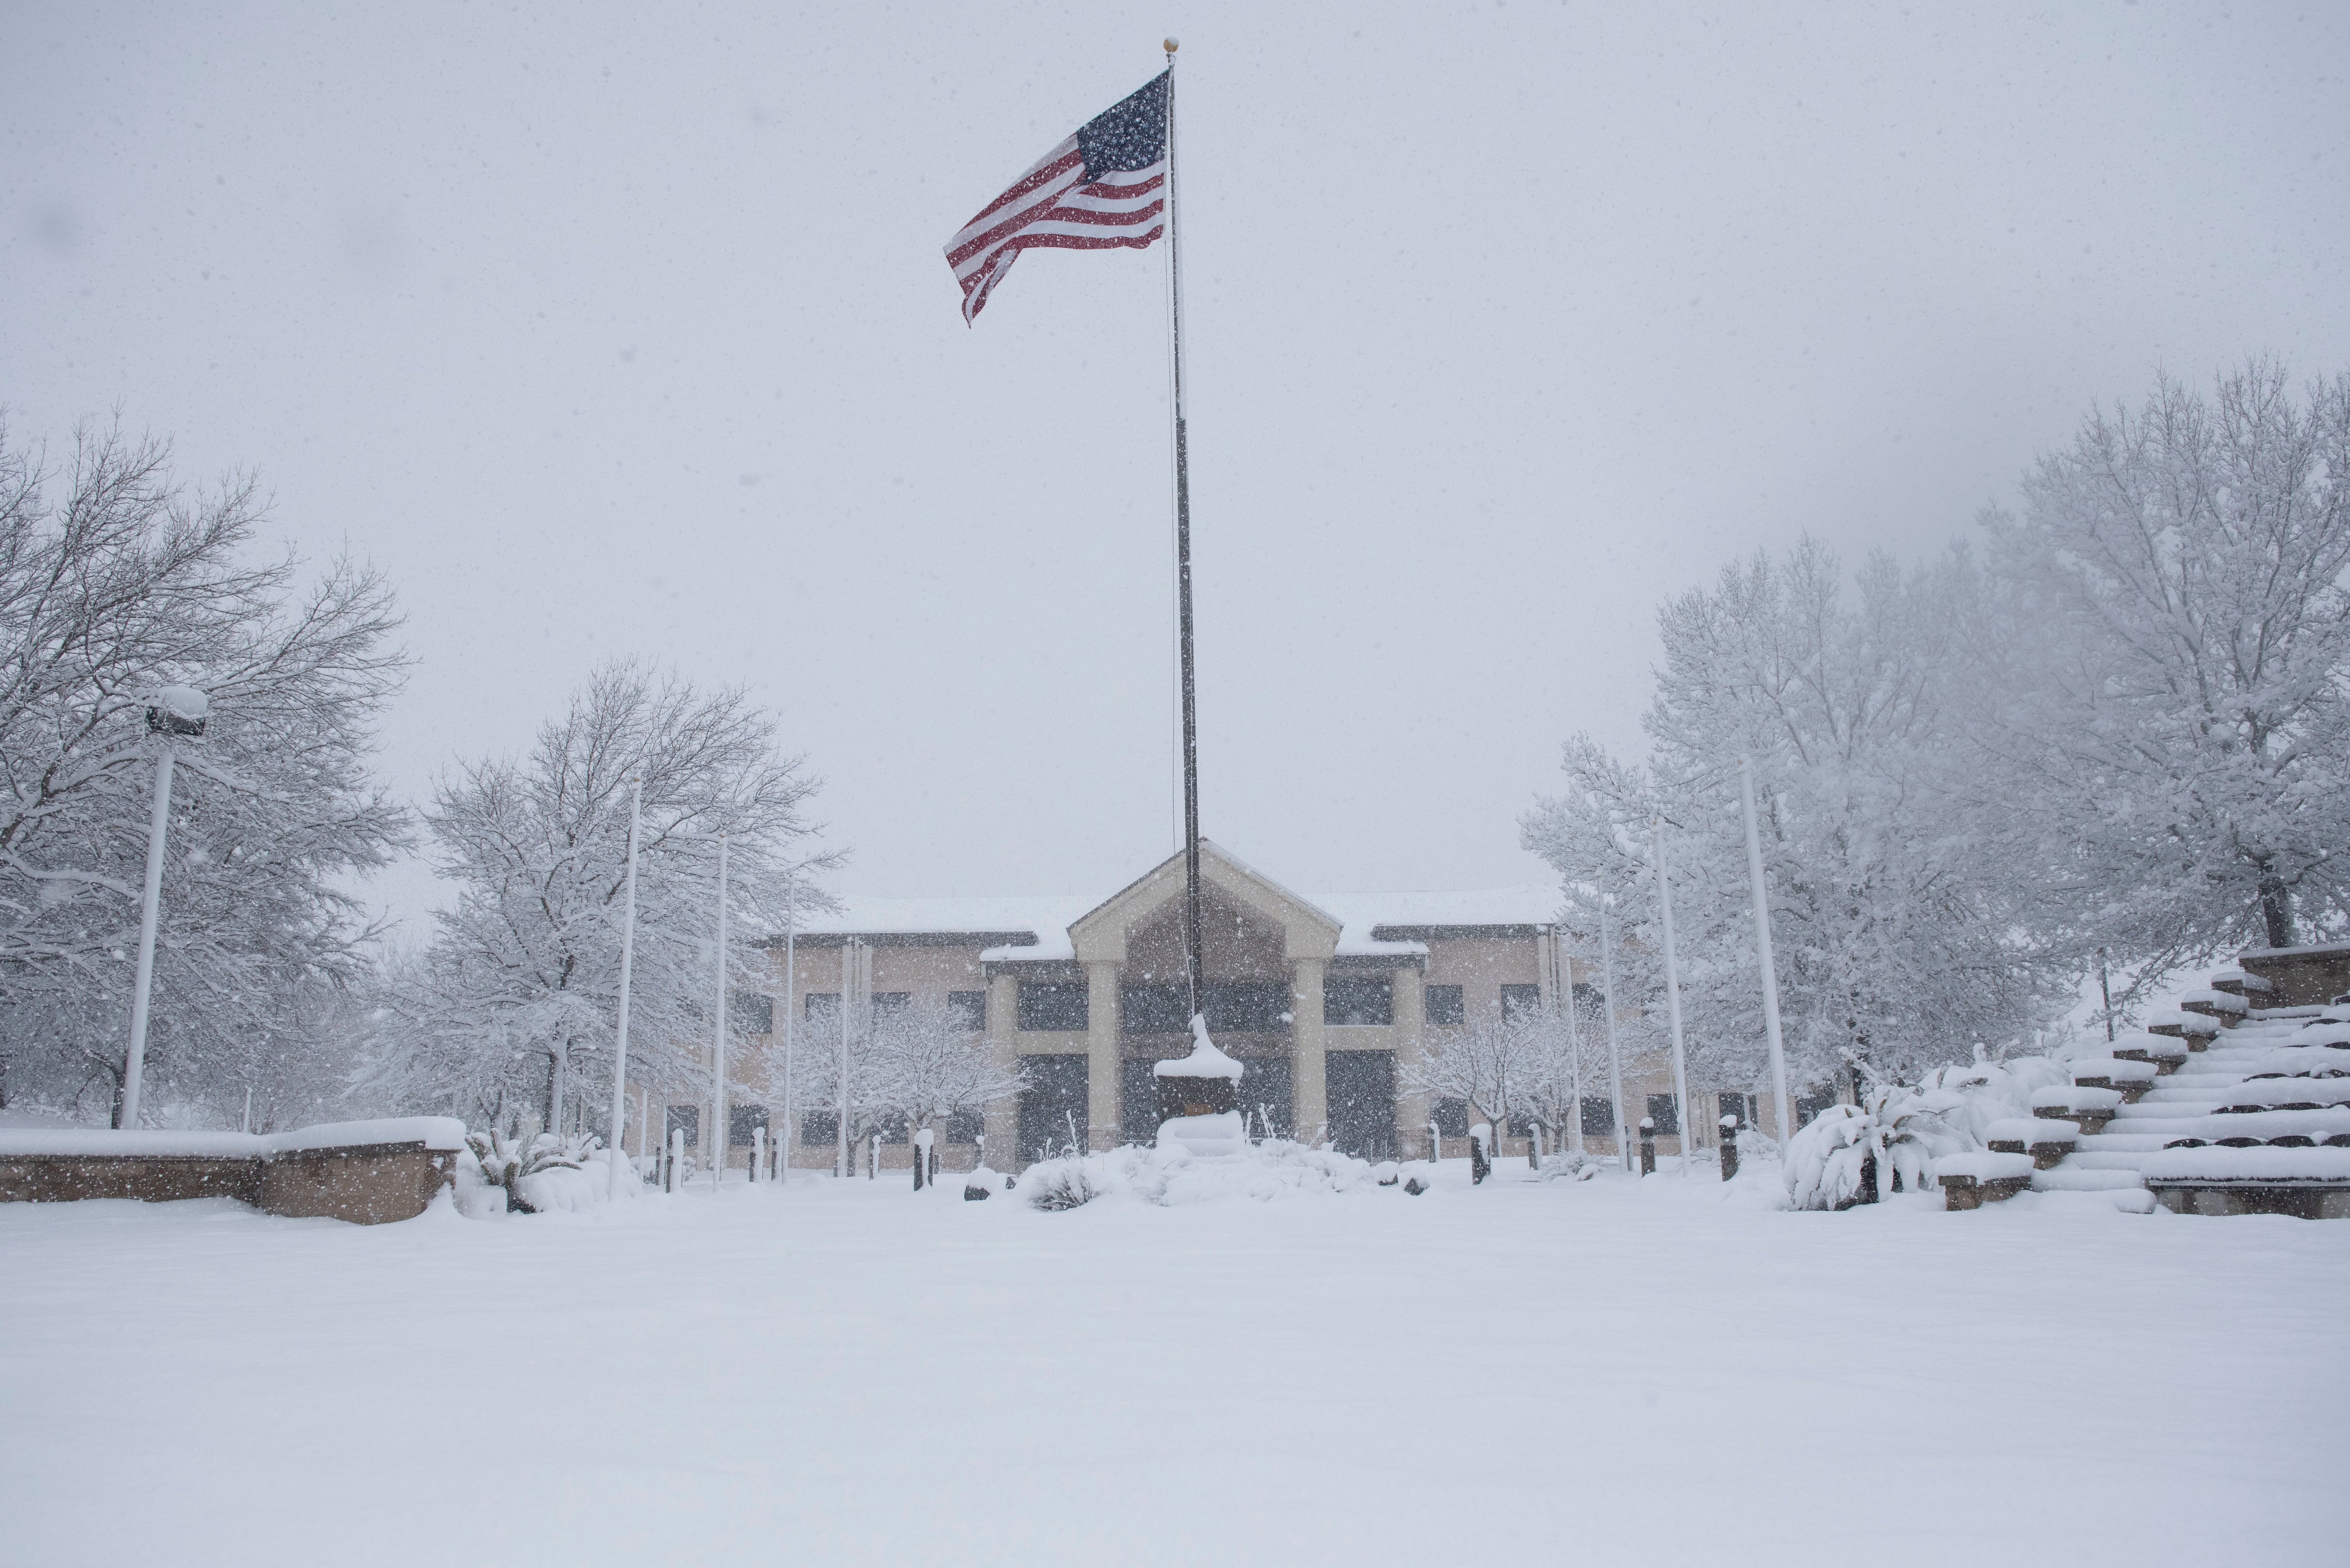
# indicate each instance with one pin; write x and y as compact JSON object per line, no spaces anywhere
{"x":1104,"y":187}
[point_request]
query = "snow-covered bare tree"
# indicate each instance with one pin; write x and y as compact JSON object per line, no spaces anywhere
{"x":1489,"y":1064}
{"x":115,"y":581}
{"x":514,"y":1001}
{"x":2167,"y":701}
{"x":1896,"y":902}
{"x":910,"y":1067}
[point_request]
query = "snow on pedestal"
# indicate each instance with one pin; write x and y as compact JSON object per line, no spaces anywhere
{"x":1205,"y":1083}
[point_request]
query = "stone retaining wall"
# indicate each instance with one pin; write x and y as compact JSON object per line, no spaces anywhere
{"x":372,"y":1179}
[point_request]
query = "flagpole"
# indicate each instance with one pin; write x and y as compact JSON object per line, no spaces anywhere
{"x":1183,"y":571}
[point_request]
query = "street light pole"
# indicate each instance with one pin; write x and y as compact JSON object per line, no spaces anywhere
{"x":627,"y":963}
{"x":719,"y":1131}
{"x":176,"y":711}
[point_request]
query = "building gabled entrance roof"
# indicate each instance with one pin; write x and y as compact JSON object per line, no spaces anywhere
{"x":1308,"y":931}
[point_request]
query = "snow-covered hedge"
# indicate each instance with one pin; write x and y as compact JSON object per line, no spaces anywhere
{"x":1167,"y":1177}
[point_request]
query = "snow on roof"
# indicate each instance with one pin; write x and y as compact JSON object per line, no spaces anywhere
{"x":1046,"y":919}
{"x":864,"y":914}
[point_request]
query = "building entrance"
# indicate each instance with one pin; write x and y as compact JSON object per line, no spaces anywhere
{"x":1361,"y":1089}
{"x":1053,"y":1107}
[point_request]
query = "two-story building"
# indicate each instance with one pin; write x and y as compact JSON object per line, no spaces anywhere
{"x":1328,"y":1000}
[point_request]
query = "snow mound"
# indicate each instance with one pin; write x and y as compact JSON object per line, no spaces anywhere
{"x":1172,"y":1177}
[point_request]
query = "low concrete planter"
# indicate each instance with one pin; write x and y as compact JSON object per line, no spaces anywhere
{"x":369,"y":1173}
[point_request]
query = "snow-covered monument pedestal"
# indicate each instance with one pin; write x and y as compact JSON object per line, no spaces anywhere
{"x":1199,"y":1099}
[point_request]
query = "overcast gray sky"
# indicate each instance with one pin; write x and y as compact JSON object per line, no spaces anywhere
{"x":625,"y":328}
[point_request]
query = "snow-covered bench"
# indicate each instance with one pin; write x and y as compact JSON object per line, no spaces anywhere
{"x":1971,"y":1180}
{"x":2308,"y":1183}
{"x":367,"y":1172}
{"x":2280,"y":1093}
{"x":2131,"y":1080}
{"x":2198,"y":1029}
{"x":2091,"y":1108}
{"x":2215,"y":1003}
{"x":2046,"y":1139}
{"x":2165,"y":1052}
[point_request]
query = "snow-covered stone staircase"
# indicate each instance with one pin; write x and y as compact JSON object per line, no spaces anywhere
{"x":2221,"y":1108}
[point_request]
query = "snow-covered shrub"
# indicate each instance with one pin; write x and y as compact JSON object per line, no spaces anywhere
{"x":1854,"y":1153}
{"x":1169,"y":1177}
{"x":491,"y":1159}
{"x":1969,"y":1098}
{"x":1056,"y":1184}
{"x":1572,"y":1165}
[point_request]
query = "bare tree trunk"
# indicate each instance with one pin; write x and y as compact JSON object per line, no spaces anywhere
{"x":2276,"y":906}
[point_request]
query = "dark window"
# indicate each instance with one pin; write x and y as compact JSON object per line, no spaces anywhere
{"x":1357,"y":999}
{"x":1137,"y":1101}
{"x":968,"y":1009}
{"x":1808,"y":1106}
{"x":895,"y":1130}
{"x":819,"y":1128}
{"x":821,"y":1006}
{"x":1452,"y":1114}
{"x":1737,"y":1105}
{"x":1589,"y":1004}
{"x":1053,"y":1105}
{"x":1155,"y":1009}
{"x":686,"y":1120}
{"x":964,"y":1126}
{"x":1266,"y":1096}
{"x":1518,"y":1000}
{"x":1051,"y":1004}
{"x":742,"y":1121}
{"x":1598,"y":1116}
{"x":1444,"y":1006}
{"x":885,"y":1001}
{"x":1361,"y":1086}
{"x":1665,"y":1111}
{"x":1248,"y":1007}
{"x":1521,"y":1125}
{"x":754,"y":1011}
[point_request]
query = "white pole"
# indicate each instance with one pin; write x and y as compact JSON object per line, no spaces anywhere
{"x":1763,"y":946}
{"x":1573,"y":1041}
{"x":627,"y":966}
{"x":791,"y":1013}
{"x":718,"y":1128}
{"x":158,"y":822}
{"x":840,"y":1165}
{"x":248,"y":1107}
{"x":1614,"y":1055}
{"x":1673,"y":1000}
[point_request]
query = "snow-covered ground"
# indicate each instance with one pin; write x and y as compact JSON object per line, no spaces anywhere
{"x":1603,"y":1371}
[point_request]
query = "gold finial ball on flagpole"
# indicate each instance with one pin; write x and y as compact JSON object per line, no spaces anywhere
{"x":1171,"y":45}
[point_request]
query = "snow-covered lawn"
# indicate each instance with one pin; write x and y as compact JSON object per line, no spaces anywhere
{"x":848,"y":1373}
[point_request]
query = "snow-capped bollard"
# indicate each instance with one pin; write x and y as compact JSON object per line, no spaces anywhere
{"x":758,"y":1151}
{"x":676,"y":1159}
{"x":1648,"y":1145}
{"x":1535,"y":1145}
{"x":1435,"y":1143}
{"x":1481,"y":1152}
{"x":1728,"y":1148}
{"x":922,"y":1172}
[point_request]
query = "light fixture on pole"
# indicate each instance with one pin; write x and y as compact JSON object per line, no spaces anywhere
{"x":175,"y":713}
{"x":627,"y":963}
{"x":1763,"y":946}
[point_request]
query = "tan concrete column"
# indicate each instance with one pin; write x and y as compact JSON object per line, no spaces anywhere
{"x":1002,"y":1120}
{"x":1411,"y":1039}
{"x":1308,"y":1097}
{"x":1102,"y":1054}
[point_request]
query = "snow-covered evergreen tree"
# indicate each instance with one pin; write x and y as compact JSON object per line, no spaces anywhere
{"x":514,"y":999}
{"x":115,"y":582}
